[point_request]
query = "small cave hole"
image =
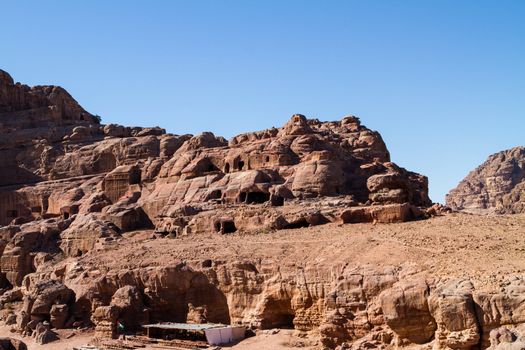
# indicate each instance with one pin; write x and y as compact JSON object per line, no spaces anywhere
{"x":228,"y":226}
{"x":215,"y":194}
{"x":278,"y":314}
{"x":277,"y":201}
{"x":227,"y":168}
{"x":257,"y":197}
{"x":267,"y":159}
{"x":240,"y":165}
{"x":4,"y":282}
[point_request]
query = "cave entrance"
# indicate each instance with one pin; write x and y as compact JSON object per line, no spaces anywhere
{"x":278,"y":314}
{"x":134,"y":177}
{"x":4,"y":282}
{"x":257,"y":197}
{"x":215,"y":194}
{"x":227,"y":168}
{"x":240,"y":165}
{"x":254,"y":197}
{"x":228,"y":226}
{"x":225,"y":226}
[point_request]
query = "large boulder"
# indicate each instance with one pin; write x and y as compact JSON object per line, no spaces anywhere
{"x":131,"y":310}
{"x":406,"y":311}
{"x":46,"y":301}
{"x":453,"y":308}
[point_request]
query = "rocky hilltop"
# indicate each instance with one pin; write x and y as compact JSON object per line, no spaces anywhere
{"x":106,"y":223}
{"x":306,"y":173}
{"x":496,"y":186}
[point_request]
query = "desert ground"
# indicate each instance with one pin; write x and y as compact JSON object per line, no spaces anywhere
{"x":453,"y":245}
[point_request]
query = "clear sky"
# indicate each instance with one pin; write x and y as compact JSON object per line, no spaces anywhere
{"x":443,"y":81}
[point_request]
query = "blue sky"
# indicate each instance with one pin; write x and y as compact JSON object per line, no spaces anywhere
{"x":443,"y":81}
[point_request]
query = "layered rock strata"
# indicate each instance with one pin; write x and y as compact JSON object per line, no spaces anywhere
{"x":73,"y":188}
{"x":496,"y":186}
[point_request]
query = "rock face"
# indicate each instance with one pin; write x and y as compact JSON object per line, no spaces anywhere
{"x":62,"y":162}
{"x":496,"y":186}
{"x":384,"y":306}
{"x":72,"y":188}
{"x":278,"y":177}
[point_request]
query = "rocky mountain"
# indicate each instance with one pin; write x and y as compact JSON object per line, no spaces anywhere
{"x":106,"y":223}
{"x":496,"y":186}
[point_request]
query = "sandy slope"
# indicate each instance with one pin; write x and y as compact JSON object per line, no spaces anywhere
{"x":452,"y":245}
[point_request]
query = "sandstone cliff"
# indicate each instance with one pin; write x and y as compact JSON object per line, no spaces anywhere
{"x":106,"y":222}
{"x":496,"y":186}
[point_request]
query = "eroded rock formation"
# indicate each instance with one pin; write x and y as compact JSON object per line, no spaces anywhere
{"x":62,"y":162}
{"x":496,"y":186}
{"x":74,"y":187}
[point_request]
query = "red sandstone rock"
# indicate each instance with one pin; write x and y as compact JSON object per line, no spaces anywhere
{"x":498,"y":185}
{"x":77,"y":185}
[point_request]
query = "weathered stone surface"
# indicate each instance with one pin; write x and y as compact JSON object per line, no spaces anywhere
{"x":406,"y":311}
{"x":496,"y":186}
{"x":84,"y":233}
{"x":17,"y":259}
{"x":75,"y":186}
{"x":507,"y":338}
{"x":43,"y":334}
{"x":277,"y":177}
{"x":105,"y":320}
{"x":130,"y":305}
{"x":453,"y":308}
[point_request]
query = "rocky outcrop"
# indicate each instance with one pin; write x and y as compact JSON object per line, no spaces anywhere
{"x":46,"y":301}
{"x":285,"y":174}
{"x":31,"y":244}
{"x":74,"y":187}
{"x":85,"y":232}
{"x":385,"y":306}
{"x":305,"y":173}
{"x":496,"y":186}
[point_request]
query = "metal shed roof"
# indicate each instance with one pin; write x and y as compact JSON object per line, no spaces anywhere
{"x":185,"y":326}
